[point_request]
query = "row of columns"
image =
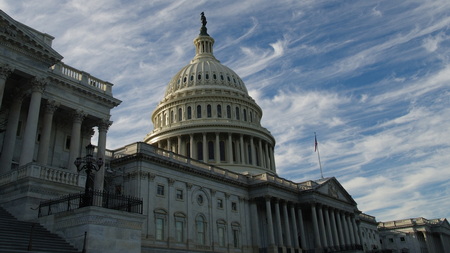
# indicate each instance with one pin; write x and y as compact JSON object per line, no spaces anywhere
{"x":30,"y":132}
{"x":242,"y":155}
{"x":333,"y":229}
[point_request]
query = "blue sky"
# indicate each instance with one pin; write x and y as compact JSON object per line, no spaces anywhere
{"x":372,"y":78}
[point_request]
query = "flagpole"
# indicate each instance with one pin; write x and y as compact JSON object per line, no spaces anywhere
{"x":316,"y":148}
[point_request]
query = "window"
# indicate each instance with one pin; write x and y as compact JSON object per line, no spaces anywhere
{"x":189,"y":112}
{"x":220,"y":203}
{"x":221,"y":235}
{"x":172,"y":116}
{"x":245,"y":115}
{"x":250,"y":160}
{"x":233,"y":206}
{"x":199,"y":76}
{"x":208,"y":111}
{"x":200,"y":199}
{"x":200,"y":227}
{"x":179,"y":194}
{"x":251,"y":117}
{"x":188,"y":149}
{"x":210,"y":150}
{"x":402,"y":239}
{"x":200,"y":151}
{"x":180,"y":114}
{"x":237,"y":113}
{"x":222,"y":150}
{"x":160,"y":190}
{"x":179,"y":231}
{"x":159,"y":229}
{"x":67,"y":143}
{"x":199,"y":111}
{"x":219,"y":111}
{"x":228,"y":111}
{"x":236,"y":238}
{"x":207,"y":76}
{"x":391,"y":239}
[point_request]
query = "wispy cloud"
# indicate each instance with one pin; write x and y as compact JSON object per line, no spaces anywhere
{"x":370,"y":77}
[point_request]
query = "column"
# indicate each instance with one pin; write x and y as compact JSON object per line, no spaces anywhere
{"x":179,"y":145}
{"x":230,"y":149}
{"x":29,"y":136}
{"x":169,"y":144}
{"x":339,"y":227}
{"x":252,"y":152}
{"x":217,"y":148}
{"x":287,"y":230}
{"x":255,"y":222}
{"x":103,"y":127}
{"x":5,"y":71}
{"x":355,"y":228}
{"x":10,"y":135}
{"x":50,"y":109}
{"x":266,"y":156}
{"x":75,"y":137}
{"x":323,"y":235}
{"x":345,"y":229}
{"x":318,"y":244}
{"x":241,"y":142}
{"x":328,"y":227}
{"x":261,"y":157}
{"x":278,"y":222}
{"x":205,"y":148}
{"x":272,"y":159}
{"x":334,"y":230}
{"x":350,"y":229}
{"x":294,"y":227}
{"x":269,"y":222}
{"x":302,"y":228}
{"x":191,"y":145}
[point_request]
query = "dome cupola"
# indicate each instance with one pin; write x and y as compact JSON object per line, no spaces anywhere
{"x":208,"y":115}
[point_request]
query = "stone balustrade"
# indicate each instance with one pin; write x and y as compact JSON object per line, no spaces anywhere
{"x":82,"y":77}
{"x":45,"y":173}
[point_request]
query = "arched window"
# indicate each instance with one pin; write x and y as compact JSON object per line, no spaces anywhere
{"x":180,"y":221}
{"x":189,"y":112}
{"x":219,"y":111}
{"x":210,"y":150}
{"x":250,"y":154}
{"x":208,"y":111}
{"x":251,"y":117}
{"x":180,"y":114}
{"x":160,"y":224}
{"x":236,"y":228}
{"x":228,"y":111}
{"x":199,"y":111}
{"x":245,"y":115}
{"x":200,"y":151}
{"x":200,"y":227}
{"x":172,"y":116}
{"x":237,"y":113}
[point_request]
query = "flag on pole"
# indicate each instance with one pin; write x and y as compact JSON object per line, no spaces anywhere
{"x":315,"y":142}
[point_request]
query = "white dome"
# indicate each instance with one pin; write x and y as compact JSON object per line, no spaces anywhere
{"x":205,"y":70}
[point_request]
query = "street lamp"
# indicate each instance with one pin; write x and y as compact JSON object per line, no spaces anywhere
{"x":88,"y":164}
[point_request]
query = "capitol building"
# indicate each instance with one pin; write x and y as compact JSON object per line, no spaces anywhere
{"x":203,"y":180}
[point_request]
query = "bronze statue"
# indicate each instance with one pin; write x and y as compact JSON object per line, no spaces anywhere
{"x":203,"y":19}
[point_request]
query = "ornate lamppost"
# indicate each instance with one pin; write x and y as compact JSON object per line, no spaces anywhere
{"x":88,"y":164}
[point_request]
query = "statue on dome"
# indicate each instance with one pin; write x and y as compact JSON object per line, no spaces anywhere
{"x":203,"y":19}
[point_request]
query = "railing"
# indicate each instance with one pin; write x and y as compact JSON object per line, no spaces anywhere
{"x":92,"y":198}
{"x":82,"y":77}
{"x":46,"y":173}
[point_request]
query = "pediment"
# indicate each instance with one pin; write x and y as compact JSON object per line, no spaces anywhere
{"x":332,"y":188}
{"x":27,"y":41}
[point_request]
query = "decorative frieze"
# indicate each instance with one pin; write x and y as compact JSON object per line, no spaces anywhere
{"x":5,"y":71}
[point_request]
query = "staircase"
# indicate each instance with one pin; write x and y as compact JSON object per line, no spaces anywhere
{"x":15,"y":237}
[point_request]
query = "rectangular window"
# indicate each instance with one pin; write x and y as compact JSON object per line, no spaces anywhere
{"x":391,"y":239}
{"x":221,"y":234}
{"x":159,"y":229}
{"x":219,"y":203}
{"x":233,"y":206}
{"x":402,"y":239}
{"x":67,"y":143}
{"x":160,"y":190}
{"x":179,"y":231}
{"x":179,"y":194}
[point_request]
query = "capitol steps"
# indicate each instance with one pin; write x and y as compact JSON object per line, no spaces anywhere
{"x":15,"y":237}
